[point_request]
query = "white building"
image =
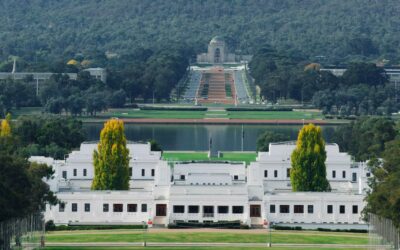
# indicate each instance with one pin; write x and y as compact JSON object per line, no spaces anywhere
{"x":164,"y":193}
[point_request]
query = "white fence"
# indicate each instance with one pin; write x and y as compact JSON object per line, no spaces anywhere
{"x":382,"y":233}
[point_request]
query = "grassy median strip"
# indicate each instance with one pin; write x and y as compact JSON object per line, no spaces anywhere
{"x":216,"y":237}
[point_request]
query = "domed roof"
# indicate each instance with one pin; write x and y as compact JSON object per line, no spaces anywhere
{"x":217,"y":39}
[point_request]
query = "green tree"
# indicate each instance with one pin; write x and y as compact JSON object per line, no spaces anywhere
{"x":384,"y":197}
{"x":308,"y":171}
{"x":266,"y":138}
{"x":111,"y":159}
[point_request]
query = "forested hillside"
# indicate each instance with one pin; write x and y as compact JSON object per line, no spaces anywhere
{"x":337,"y":30}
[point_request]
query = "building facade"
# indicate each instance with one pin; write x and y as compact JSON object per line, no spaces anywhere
{"x":218,"y":53}
{"x":164,"y":192}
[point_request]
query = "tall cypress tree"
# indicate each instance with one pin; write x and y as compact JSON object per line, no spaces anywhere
{"x":111,"y":159}
{"x":308,"y":171}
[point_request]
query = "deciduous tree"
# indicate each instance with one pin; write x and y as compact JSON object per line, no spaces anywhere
{"x":308,"y":171}
{"x":111,"y":159}
{"x":5,"y":129}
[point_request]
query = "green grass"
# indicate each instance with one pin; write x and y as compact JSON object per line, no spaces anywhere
{"x":180,"y":156}
{"x":202,"y":156}
{"x":173,"y":114}
{"x":159,"y":114}
{"x":247,"y":157}
{"x":220,"y":237}
{"x":186,"y":248}
{"x":274,"y":115}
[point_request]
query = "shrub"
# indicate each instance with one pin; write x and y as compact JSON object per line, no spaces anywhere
{"x":174,"y":108}
{"x":259,"y":109}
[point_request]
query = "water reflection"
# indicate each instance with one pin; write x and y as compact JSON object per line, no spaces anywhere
{"x":196,"y":137}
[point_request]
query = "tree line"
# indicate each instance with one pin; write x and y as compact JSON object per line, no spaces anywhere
{"x":332,"y":32}
{"x":364,"y":88}
{"x":143,"y":74}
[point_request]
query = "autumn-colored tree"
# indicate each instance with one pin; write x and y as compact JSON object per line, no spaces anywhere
{"x":5,"y":129}
{"x":111,"y":159}
{"x":308,"y":171}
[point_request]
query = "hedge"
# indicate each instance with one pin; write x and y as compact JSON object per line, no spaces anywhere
{"x":175,"y":108}
{"x":259,"y":109}
{"x":50,"y":226}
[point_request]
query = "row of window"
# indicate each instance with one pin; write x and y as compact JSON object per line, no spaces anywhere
{"x":299,"y":209}
{"x":84,"y":172}
{"x":117,"y":207}
{"x":354,"y":175}
{"x":143,"y":172}
{"x":180,"y":209}
{"x":74,"y":173}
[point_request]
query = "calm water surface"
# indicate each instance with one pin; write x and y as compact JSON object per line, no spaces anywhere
{"x":196,"y":137}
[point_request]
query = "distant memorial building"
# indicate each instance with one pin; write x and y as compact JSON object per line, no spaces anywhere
{"x":218,"y":53}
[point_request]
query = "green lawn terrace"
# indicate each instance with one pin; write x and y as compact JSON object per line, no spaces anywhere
{"x":232,"y":156}
{"x":201,"y":114}
{"x":329,"y":239}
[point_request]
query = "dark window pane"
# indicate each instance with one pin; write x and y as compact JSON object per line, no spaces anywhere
{"x":284,"y":209}
{"x":61,"y":207}
{"x":342,"y":209}
{"x":272,"y":209}
{"x":310,"y":209}
{"x":105,"y":207}
{"x":179,"y":209}
{"x":74,"y":207}
{"x":87,"y":207}
{"x":298,"y":209}
{"x":265,"y":173}
{"x":144,"y":207}
{"x":118,"y":208}
{"x":223,"y":209}
{"x":330,"y":209}
{"x":132,"y":208}
{"x":355,"y":209}
{"x":237,"y":209}
{"x":193,"y":209}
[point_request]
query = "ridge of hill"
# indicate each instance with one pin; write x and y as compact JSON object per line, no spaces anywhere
{"x":41,"y":29}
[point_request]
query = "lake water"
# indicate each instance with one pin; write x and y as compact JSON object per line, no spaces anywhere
{"x":196,"y":137}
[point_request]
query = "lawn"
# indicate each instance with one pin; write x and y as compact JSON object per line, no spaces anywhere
{"x":185,"y":114}
{"x":185,"y":156}
{"x":216,"y":237}
{"x":202,"y":156}
{"x":159,"y":114}
{"x":274,"y":115}
{"x":185,"y":248}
